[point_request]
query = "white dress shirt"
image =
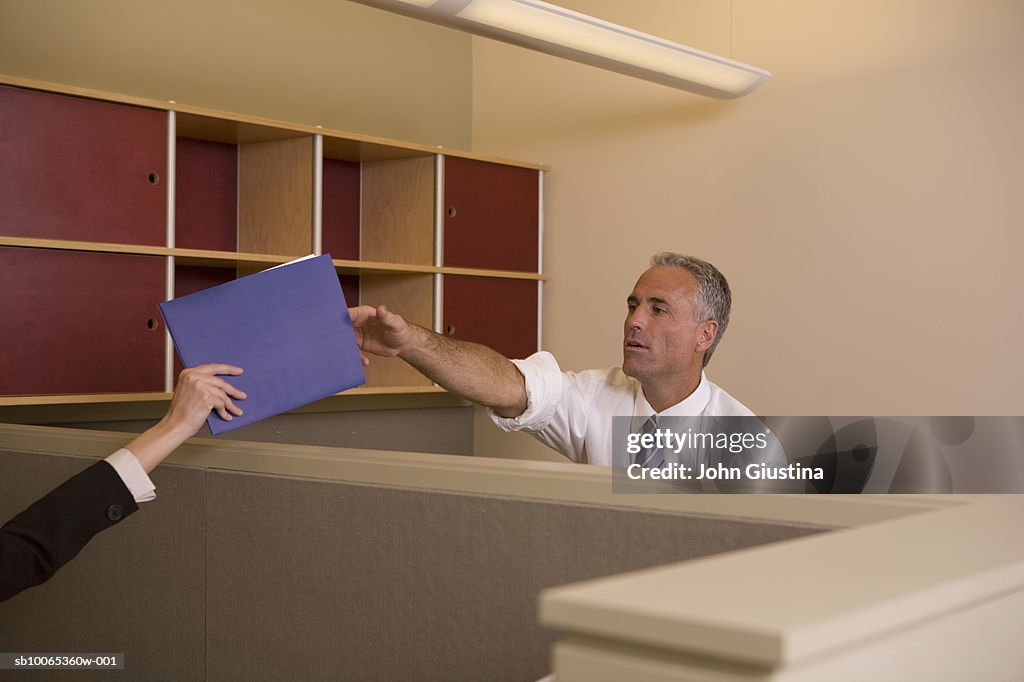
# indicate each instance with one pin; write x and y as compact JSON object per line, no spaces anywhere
{"x":572,"y":411}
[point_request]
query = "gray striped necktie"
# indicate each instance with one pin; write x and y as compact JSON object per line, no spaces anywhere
{"x":652,"y":457}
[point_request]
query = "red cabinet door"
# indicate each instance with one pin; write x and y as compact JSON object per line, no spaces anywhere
{"x":500,"y":313}
{"x":79,"y":169}
{"x":80,"y":322}
{"x":490,"y":215}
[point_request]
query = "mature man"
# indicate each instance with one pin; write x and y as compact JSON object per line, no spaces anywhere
{"x":676,"y":315}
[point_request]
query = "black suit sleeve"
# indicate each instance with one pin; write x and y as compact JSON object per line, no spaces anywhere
{"x":44,"y":537}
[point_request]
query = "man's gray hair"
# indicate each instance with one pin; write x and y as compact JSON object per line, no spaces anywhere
{"x":713,"y":300}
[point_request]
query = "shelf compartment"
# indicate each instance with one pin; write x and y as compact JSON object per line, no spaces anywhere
{"x":412,"y":297}
{"x":398,"y":211}
{"x":206,"y":195}
{"x":275,"y":197}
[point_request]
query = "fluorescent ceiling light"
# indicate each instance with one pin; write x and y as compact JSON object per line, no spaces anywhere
{"x":564,"y":33}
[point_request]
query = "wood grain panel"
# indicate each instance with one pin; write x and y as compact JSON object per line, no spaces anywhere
{"x":398,"y":211}
{"x":412,"y":297}
{"x":275,"y":197}
{"x":74,"y":168}
{"x":80,"y":322}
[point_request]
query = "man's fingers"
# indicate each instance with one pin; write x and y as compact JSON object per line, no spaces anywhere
{"x":386,"y":317}
{"x":361,"y":313}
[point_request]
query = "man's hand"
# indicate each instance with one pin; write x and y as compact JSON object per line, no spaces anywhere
{"x":380,"y":331}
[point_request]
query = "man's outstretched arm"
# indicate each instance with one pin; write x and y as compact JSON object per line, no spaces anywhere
{"x":473,"y":371}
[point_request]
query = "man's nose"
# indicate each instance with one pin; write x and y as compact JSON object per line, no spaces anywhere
{"x":635,"y":320}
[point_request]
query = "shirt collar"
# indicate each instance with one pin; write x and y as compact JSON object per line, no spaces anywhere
{"x":692,"y":405}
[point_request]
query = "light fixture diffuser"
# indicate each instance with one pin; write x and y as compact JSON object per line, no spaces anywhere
{"x":564,"y":33}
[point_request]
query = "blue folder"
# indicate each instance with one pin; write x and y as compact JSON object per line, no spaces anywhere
{"x":287,"y":327}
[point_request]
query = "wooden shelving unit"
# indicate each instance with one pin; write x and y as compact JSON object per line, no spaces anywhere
{"x":137,"y":201}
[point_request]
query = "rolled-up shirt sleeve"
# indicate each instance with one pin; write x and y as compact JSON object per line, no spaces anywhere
{"x":544,"y":386}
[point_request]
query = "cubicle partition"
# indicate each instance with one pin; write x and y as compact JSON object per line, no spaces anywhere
{"x":260,"y":561}
{"x":265,"y":561}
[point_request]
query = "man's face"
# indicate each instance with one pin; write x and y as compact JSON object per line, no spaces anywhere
{"x":663,"y":341}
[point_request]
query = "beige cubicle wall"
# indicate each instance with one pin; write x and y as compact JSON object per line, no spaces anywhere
{"x":427,"y":422}
{"x":933,"y":596}
{"x":270,"y":561}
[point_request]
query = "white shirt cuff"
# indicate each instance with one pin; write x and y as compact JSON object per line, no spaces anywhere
{"x":543,"y":379}
{"x":133,"y":475}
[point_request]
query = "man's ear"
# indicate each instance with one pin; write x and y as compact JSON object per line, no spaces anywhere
{"x":706,"y":334}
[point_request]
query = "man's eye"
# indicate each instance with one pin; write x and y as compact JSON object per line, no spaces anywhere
{"x":659,"y":311}
{"x":631,"y":307}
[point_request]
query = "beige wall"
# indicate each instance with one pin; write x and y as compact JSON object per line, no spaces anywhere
{"x":864,"y":204}
{"x":322,"y":62}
